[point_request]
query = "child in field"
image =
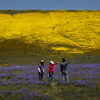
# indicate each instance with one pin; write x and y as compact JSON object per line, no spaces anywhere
{"x":41,"y":70}
{"x":51,"y":70}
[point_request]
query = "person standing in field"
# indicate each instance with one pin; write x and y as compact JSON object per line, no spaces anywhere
{"x":64,"y":70}
{"x":41,"y":70}
{"x":51,"y":70}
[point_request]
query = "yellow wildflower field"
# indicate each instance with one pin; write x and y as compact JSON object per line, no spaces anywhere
{"x":57,"y":30}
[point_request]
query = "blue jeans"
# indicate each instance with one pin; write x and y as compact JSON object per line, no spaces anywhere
{"x":65,"y":75}
{"x":50,"y":77}
{"x":40,"y":76}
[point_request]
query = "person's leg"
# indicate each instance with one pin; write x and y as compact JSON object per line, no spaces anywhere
{"x":39,"y":76}
{"x":51,"y":76}
{"x":42,"y":74}
{"x":62,"y":76}
{"x":67,"y":79}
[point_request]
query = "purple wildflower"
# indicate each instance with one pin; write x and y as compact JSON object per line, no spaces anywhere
{"x":0,"y":95}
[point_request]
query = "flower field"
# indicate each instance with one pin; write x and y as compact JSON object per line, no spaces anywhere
{"x":21,"y":83}
{"x":69,"y":31}
{"x":28,"y":36}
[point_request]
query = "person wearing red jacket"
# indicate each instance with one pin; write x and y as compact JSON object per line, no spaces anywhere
{"x":51,"y":70}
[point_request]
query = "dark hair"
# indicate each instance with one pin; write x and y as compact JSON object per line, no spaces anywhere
{"x":63,"y":59}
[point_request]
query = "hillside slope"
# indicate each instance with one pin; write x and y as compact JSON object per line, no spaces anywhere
{"x":62,"y":30}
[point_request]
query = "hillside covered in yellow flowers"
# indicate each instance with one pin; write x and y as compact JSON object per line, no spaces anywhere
{"x":69,"y":31}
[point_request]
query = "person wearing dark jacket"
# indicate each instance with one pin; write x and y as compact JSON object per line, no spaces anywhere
{"x":64,"y":70}
{"x":51,"y":70}
{"x":41,"y":70}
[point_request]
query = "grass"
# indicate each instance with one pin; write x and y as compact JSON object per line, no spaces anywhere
{"x":7,"y":58}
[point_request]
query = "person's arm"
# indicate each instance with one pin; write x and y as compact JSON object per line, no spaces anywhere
{"x":39,"y":69}
{"x":67,"y":61}
{"x":55,"y":63}
{"x":43,"y":69}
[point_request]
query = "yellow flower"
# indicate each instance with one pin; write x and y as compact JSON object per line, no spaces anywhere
{"x":75,"y":32}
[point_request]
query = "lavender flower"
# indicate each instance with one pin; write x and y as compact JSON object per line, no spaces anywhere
{"x":0,"y":95}
{"x":8,"y":92}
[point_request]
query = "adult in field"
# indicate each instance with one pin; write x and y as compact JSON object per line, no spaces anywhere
{"x":51,"y":70}
{"x":41,"y":70}
{"x":64,"y":70}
